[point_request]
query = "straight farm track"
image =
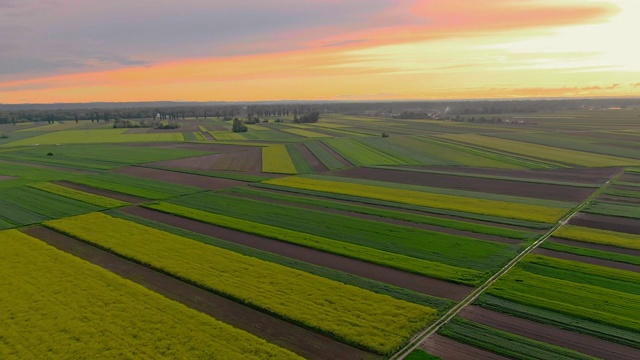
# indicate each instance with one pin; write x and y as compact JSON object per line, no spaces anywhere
{"x":381,"y":273}
{"x":301,"y":341}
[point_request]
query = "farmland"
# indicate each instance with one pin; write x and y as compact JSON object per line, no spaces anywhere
{"x":365,"y":237}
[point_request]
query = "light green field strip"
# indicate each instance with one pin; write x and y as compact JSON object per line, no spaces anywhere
{"x":306,"y":133}
{"x":56,"y":306}
{"x":376,"y":322}
{"x":276,"y":159}
{"x":398,"y":261}
{"x":541,"y":151}
{"x":95,"y":137}
{"x":227,"y":135}
{"x":80,"y":195}
{"x":449,"y":202}
{"x":257,"y":127}
{"x":597,"y":236}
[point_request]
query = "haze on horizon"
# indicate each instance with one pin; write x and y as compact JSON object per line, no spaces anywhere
{"x":199,"y":50}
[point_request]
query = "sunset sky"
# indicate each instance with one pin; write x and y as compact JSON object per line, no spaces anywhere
{"x":214,"y":50}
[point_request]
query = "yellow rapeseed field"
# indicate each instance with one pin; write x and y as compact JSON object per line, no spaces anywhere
{"x":597,"y":236}
{"x":376,"y":322}
{"x":56,"y":306}
{"x":276,"y":159}
{"x":441,"y":201}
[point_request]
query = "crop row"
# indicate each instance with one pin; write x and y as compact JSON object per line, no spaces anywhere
{"x":301,"y":164}
{"x":505,"y":343}
{"x":58,"y":306}
{"x":131,"y":185}
{"x":324,"y":156}
{"x":598,"y":236}
{"x":376,"y":322}
{"x":97,"y":136}
{"x":411,"y":197}
{"x":611,"y":305}
{"x":597,"y":254}
{"x":345,"y":278}
{"x":415,"y":208}
{"x":306,"y":133}
{"x":24,"y":205}
{"x":614,"y":209}
{"x":361,"y":154}
{"x":398,"y":261}
{"x":389,"y":214}
{"x":93,"y":199}
{"x":404,"y":240}
{"x":276,"y":159}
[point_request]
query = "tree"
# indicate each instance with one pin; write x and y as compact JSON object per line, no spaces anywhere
{"x":239,"y":126}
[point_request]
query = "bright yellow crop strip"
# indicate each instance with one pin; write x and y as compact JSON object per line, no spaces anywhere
{"x":449,"y":202}
{"x":542,"y":151}
{"x":80,"y":195}
{"x":597,"y":236}
{"x":276,"y":159}
{"x":377,"y":322}
{"x":56,"y":306}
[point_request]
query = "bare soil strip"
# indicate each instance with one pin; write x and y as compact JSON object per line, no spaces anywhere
{"x":393,"y":221}
{"x":583,"y":244}
{"x":207,"y":136}
{"x":494,"y":186}
{"x":280,"y":332}
{"x":579,"y":342}
{"x":448,"y":349}
{"x":6,"y":177}
{"x":339,"y":157}
{"x":434,"y":287}
{"x":101,"y":192}
{"x":632,"y":178}
{"x":232,"y":158}
{"x":315,"y":163}
{"x":587,"y":259}
{"x":620,"y":199}
{"x":201,"y":181}
{"x":604,"y":222}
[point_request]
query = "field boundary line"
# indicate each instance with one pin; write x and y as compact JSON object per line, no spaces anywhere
{"x":415,"y":342}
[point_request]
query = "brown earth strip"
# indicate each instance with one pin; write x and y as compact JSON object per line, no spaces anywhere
{"x":604,"y":222}
{"x":600,"y":247}
{"x":495,"y":186}
{"x":552,"y":335}
{"x":201,"y":181}
{"x":101,"y":192}
{"x":376,"y":272}
{"x":578,"y":175}
{"x":588,"y":260}
{"x":473,"y":221}
{"x":391,"y":221}
{"x":624,"y":187}
{"x":315,"y":163}
{"x":448,"y":349}
{"x":620,"y":199}
{"x":333,"y":153}
{"x":632,"y":178}
{"x":7,"y":177}
{"x":280,"y":332}
{"x":207,"y":136}
{"x":245,"y":160}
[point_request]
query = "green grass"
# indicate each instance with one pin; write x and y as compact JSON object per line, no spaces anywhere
{"x":131,"y":185}
{"x":372,"y":321}
{"x":597,"y":254}
{"x":597,"y":236}
{"x":378,"y":287}
{"x":504,"y":343}
{"x":423,"y":244}
{"x":95,"y":136}
{"x":623,"y":193}
{"x":390,"y":214}
{"x":276,"y":159}
{"x":406,"y":263}
{"x":560,"y":320}
{"x":421,"y":355}
{"x":361,"y":154}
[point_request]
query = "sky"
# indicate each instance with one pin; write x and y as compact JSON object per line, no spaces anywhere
{"x":214,"y":50}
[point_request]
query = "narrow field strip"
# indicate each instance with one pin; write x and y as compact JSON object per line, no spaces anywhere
{"x":89,"y":198}
{"x":449,"y":202}
{"x":359,"y":317}
{"x":276,"y":159}
{"x":58,"y":306}
{"x":597,"y":236}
